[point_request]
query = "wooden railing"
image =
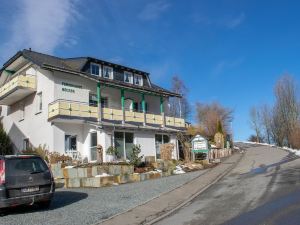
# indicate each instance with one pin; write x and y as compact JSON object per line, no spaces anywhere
{"x":83,"y":110}
{"x":20,"y":81}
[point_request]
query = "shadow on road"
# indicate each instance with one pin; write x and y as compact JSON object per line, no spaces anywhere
{"x":61,"y":199}
{"x":263,"y":168}
{"x":284,"y":210}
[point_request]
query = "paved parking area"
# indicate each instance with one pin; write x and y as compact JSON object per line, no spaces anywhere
{"x":88,"y":206}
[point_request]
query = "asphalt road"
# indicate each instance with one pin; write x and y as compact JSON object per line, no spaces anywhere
{"x":263,"y":189}
{"x":81,"y":206}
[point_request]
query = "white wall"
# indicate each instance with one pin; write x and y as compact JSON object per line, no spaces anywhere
{"x":35,"y":125}
{"x":147,"y":141}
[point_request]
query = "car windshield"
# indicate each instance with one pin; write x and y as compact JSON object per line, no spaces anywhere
{"x":26,"y":166}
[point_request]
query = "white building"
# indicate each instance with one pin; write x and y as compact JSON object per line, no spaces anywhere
{"x":73,"y":104}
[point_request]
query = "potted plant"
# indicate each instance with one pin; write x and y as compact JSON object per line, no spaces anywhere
{"x":111,"y":153}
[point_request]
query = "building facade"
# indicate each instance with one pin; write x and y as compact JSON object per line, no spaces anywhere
{"x":72,"y":105}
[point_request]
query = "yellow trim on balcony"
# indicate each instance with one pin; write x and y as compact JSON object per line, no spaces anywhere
{"x":83,"y":110}
{"x":72,"y":109}
{"x":21,"y":81}
{"x":112,"y":114}
{"x":134,"y":117}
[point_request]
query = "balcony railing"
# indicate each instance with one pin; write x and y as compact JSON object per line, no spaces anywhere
{"x":70,"y":109}
{"x":17,"y":88}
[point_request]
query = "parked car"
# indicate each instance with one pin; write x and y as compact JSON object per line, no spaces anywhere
{"x":25,"y":180}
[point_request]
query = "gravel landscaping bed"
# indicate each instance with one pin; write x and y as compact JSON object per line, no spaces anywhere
{"x":88,"y":206}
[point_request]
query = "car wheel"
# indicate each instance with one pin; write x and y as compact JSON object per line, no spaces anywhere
{"x":2,"y":212}
{"x":45,"y":205}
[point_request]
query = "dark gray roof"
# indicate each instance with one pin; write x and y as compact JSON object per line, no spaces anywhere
{"x":76,"y":65}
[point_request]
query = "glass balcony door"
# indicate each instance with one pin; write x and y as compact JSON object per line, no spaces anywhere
{"x":123,"y":144}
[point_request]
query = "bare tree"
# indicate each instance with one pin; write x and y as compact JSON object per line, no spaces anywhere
{"x":266,"y":120}
{"x":286,"y":106}
{"x":209,"y":117}
{"x":179,"y":107}
{"x":255,"y":120}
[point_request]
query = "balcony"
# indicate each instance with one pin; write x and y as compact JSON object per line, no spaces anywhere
{"x":79,"y":110}
{"x":17,"y":88}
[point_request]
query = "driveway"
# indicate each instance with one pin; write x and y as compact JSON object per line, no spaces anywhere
{"x":88,"y":206}
{"x":264,"y":188}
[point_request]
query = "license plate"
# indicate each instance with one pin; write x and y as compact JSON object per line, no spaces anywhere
{"x":30,"y":189}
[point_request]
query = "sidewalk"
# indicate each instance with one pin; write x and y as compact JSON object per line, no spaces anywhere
{"x":163,"y":204}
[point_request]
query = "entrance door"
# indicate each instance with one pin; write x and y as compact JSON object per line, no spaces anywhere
{"x":93,"y":146}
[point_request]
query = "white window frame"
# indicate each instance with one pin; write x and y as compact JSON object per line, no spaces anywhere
{"x":141,"y":79}
{"x":111,"y":74}
{"x":39,"y":102}
{"x":91,"y":71}
{"x":26,"y":144}
{"x":130,"y":77}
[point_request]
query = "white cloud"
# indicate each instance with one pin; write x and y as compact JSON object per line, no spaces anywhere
{"x":235,"y":21}
{"x":41,"y":25}
{"x":224,"y":65}
{"x":153,"y":10}
{"x":229,"y":22}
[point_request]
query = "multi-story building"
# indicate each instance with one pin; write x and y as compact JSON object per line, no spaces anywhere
{"x":74,"y":104}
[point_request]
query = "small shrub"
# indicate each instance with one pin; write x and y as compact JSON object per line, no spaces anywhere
{"x":111,"y":150}
{"x":135,"y":158}
{"x":5,"y":143}
{"x":41,"y":151}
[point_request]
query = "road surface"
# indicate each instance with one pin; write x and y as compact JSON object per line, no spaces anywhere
{"x":264,"y":189}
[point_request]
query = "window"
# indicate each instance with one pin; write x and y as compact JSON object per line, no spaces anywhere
{"x":22,"y":111}
{"x":70,"y":143}
{"x":95,"y":69}
{"x":107,"y":72}
{"x":93,"y":101}
{"x":104,"y":102}
{"x":135,"y":107}
{"x":127,"y":77}
{"x":123,"y":144}
{"x":159,"y":140}
{"x":138,"y":80}
{"x":93,"y":146}
{"x":39,"y":106}
{"x":26,"y":144}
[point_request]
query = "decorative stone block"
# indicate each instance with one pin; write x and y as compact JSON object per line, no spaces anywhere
{"x":106,"y":181}
{"x":114,"y":169}
{"x":57,"y":170}
{"x":70,"y":172}
{"x":144,"y":176}
{"x":127,"y":169}
{"x":72,"y":182}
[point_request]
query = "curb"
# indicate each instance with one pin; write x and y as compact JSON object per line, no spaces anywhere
{"x":159,"y":218}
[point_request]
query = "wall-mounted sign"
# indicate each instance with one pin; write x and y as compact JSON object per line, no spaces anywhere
{"x":67,"y":87}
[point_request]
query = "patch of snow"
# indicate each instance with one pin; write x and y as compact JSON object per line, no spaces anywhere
{"x":178,"y":170}
{"x":69,"y":167}
{"x":103,"y":175}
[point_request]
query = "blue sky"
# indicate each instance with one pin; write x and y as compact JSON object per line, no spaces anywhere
{"x":228,"y":51}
